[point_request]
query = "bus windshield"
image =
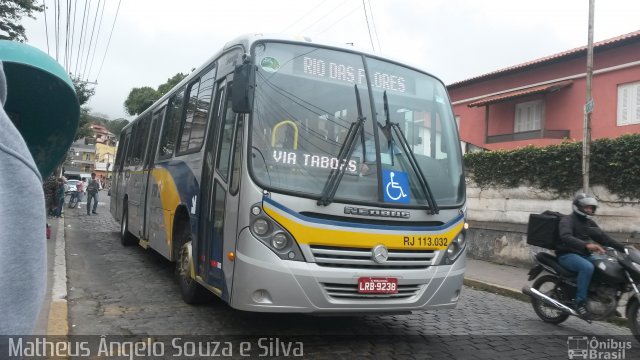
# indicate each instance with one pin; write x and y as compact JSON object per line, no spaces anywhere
{"x":305,"y":104}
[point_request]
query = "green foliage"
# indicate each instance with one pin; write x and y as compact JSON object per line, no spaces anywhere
{"x":11,"y":13}
{"x":140,"y":99}
{"x":171,"y":82}
{"x":115,"y":126}
{"x":615,"y":164}
{"x":84,"y":92}
{"x":84,"y":124}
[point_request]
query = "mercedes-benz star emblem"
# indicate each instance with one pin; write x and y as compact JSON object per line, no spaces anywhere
{"x":379,"y":254}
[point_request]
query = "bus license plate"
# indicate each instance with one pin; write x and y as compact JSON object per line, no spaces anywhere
{"x":377,"y":285}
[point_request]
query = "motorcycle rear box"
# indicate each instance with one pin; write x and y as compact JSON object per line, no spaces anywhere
{"x":542,"y":229}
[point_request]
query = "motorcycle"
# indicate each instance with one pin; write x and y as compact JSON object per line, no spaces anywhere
{"x":73,"y":199}
{"x":615,"y":274}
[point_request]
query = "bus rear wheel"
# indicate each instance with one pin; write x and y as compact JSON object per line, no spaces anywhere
{"x":126,"y":238}
{"x":192,"y":292}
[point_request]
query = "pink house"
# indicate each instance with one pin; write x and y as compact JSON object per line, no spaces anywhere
{"x":542,"y":102}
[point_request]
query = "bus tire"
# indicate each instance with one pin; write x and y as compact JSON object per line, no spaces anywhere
{"x":192,"y":292}
{"x":126,"y":238}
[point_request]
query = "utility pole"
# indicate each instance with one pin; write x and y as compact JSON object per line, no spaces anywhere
{"x":588,"y":107}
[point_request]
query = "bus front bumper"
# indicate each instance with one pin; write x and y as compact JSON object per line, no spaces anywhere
{"x":262,"y":282}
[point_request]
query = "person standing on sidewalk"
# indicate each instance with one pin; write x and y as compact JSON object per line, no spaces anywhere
{"x":92,"y":193}
{"x":60,"y":190}
{"x":580,"y":238}
{"x":80,"y":189}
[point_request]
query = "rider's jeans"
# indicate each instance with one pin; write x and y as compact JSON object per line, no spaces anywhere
{"x":584,"y":268}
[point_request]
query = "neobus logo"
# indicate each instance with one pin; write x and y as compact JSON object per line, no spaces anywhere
{"x":375,"y":212}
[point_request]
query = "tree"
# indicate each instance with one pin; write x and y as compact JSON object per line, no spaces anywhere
{"x":11,"y":12}
{"x":171,"y":82}
{"x":84,"y":92}
{"x":141,"y":98}
{"x":84,"y":124}
{"x":115,"y":126}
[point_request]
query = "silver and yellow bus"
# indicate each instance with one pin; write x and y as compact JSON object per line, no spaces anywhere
{"x":286,"y":175}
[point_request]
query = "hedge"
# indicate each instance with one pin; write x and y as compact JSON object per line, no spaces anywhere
{"x":615,"y":164}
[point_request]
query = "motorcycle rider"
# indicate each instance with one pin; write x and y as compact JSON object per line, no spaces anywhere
{"x":580,"y":238}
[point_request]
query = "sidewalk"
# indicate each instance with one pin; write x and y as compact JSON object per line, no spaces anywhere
{"x":500,"y":279}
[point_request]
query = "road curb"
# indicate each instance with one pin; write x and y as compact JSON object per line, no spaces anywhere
{"x":518,"y":295}
{"x":57,"y":322}
{"x":496,"y":289}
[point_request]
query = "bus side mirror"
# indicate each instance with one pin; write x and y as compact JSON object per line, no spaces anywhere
{"x":243,"y":86}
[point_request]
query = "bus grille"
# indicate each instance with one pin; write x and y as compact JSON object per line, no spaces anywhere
{"x":360,"y":258}
{"x":350,"y":291}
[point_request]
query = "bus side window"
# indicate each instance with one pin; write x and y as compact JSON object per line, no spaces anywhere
{"x":225,"y":136}
{"x":171,"y":125}
{"x":197,"y":114}
{"x":130,"y":152}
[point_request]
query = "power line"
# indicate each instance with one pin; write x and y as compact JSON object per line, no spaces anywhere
{"x":375,"y":30}
{"x":56,"y":17}
{"x":66,"y":37}
{"x":78,"y":59}
{"x":337,"y":21}
{"x":91,"y":39}
{"x":73,"y":33}
{"x":364,"y":6}
{"x":109,"y":42}
{"x":46,"y":26}
{"x":303,"y":16}
{"x":95,"y":48}
{"x":324,"y":15}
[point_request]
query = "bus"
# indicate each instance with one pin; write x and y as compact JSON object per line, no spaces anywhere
{"x":288,"y":175}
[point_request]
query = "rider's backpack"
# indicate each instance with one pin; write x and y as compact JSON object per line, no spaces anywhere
{"x":542,"y":229}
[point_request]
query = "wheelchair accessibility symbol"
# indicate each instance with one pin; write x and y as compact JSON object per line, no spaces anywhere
{"x":396,"y":186}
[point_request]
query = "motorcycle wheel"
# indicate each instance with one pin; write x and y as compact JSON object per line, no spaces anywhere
{"x":548,"y":285}
{"x":634,"y":319}
{"x":73,"y":202}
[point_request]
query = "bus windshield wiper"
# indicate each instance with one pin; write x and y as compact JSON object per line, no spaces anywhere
{"x":387,"y":130}
{"x":331,"y":186}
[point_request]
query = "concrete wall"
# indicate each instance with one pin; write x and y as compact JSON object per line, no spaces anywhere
{"x":498,"y":220}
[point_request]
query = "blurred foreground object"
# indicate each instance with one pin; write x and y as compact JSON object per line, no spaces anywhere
{"x":41,"y":103}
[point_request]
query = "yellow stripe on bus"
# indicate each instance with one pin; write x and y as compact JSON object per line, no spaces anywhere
{"x":169,"y":197}
{"x":408,"y":239}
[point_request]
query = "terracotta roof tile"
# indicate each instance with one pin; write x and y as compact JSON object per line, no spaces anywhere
{"x":600,"y":44}
{"x":522,"y":92}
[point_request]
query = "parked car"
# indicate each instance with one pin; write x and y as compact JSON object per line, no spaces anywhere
{"x":71,"y":186}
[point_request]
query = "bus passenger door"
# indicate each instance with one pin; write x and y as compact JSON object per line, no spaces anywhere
{"x":118,"y":185}
{"x":150,"y":194}
{"x":219,"y":194}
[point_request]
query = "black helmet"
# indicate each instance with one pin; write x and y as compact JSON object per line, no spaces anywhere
{"x":582,"y":200}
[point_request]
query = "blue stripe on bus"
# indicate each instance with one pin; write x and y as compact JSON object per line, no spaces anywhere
{"x":360,"y":225}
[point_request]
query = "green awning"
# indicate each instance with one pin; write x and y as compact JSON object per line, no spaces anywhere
{"x":41,"y":102}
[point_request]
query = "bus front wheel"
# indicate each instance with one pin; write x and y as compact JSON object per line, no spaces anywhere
{"x":192,"y":292}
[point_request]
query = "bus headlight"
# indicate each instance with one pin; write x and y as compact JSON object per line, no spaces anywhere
{"x":273,"y":235}
{"x":279,"y":241}
{"x":455,"y":249}
{"x":260,"y":227}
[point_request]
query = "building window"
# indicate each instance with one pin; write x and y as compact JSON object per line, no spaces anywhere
{"x":629,"y":104}
{"x":528,"y":116}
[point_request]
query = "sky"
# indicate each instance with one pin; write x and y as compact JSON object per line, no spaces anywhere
{"x":152,"y":40}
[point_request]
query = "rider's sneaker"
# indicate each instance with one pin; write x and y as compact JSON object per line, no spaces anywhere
{"x":582,"y":310}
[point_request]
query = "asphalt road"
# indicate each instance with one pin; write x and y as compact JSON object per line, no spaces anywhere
{"x":115,"y":290}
